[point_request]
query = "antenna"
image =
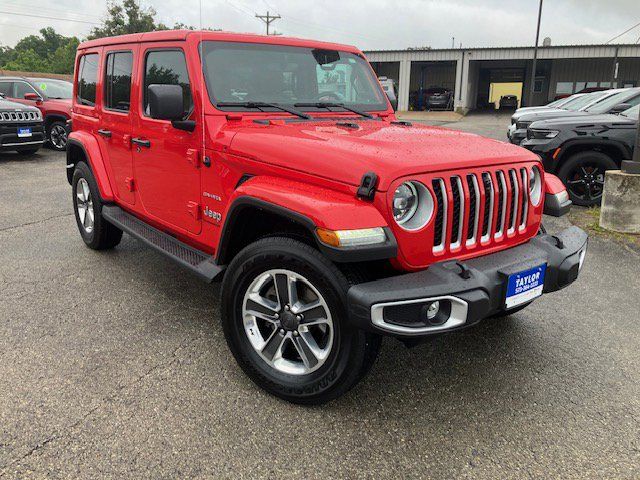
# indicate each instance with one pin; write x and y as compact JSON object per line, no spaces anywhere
{"x":268,"y":19}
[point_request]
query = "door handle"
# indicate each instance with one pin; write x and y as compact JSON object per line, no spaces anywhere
{"x":141,"y":143}
{"x":105,"y":133}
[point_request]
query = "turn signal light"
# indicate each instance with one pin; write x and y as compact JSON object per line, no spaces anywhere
{"x":351,"y":238}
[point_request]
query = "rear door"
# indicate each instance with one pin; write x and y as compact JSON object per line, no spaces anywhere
{"x":166,"y":160}
{"x":114,"y":134}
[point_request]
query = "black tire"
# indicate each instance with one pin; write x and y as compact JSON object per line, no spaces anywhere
{"x":102,"y":235}
{"x":57,"y":136}
{"x":27,"y":152}
{"x":353,"y":351}
{"x":583,"y":175}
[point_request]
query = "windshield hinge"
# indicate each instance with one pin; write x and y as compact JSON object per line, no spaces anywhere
{"x":367,"y":188}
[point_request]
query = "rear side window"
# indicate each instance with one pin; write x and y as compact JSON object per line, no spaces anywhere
{"x":87,"y":79}
{"x":117,"y":85}
{"x":167,"y":67}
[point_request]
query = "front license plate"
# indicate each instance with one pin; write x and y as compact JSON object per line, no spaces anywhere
{"x":24,"y":132}
{"x":524,"y":286}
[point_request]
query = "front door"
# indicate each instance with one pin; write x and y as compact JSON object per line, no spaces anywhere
{"x":166,"y":160}
{"x":114,"y":135}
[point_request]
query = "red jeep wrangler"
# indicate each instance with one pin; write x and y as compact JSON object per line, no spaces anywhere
{"x":277,"y":166}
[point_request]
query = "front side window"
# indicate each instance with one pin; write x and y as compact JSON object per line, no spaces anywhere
{"x":167,"y":67}
{"x":21,"y":88}
{"x":87,"y":79}
{"x":117,"y":81}
{"x":245,"y":72}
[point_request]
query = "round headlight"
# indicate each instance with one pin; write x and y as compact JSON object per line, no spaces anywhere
{"x":405,"y":203}
{"x":535,"y":186}
{"x":412,"y":205}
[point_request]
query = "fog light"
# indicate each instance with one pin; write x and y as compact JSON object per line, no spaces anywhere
{"x":433,"y":310}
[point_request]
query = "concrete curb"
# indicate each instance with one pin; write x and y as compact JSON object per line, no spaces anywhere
{"x":620,"y":210}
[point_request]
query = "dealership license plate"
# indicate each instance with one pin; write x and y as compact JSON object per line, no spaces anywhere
{"x":522,"y":287}
{"x":24,"y":132}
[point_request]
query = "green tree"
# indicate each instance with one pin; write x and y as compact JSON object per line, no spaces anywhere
{"x":48,"y":52}
{"x":126,"y":17}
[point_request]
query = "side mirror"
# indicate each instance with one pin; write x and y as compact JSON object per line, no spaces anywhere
{"x":32,"y":96}
{"x":165,"y":102}
{"x":621,"y":107}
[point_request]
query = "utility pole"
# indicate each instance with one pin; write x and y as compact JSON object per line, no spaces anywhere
{"x":453,"y":42}
{"x":268,"y":19}
{"x":535,"y":58}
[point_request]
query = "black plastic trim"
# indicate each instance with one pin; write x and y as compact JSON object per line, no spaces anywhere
{"x":553,"y":207}
{"x":485,"y":288}
{"x":340,"y":255}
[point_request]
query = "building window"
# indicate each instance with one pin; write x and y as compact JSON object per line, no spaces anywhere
{"x":562,"y":88}
{"x":87,"y":79}
{"x":118,"y":81}
{"x":605,"y":84}
{"x":538,"y":85}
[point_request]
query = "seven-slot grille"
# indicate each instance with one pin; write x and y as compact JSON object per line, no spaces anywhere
{"x":20,"y":116}
{"x":479,"y":207}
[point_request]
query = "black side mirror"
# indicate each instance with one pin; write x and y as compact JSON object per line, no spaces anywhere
{"x":165,"y":102}
{"x":621,"y":107}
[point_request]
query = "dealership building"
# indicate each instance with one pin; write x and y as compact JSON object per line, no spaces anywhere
{"x":475,"y":75}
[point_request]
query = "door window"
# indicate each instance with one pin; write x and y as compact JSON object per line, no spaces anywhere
{"x":21,"y":88}
{"x":6,"y":88}
{"x":87,"y":79}
{"x":167,"y":67}
{"x":117,"y":83}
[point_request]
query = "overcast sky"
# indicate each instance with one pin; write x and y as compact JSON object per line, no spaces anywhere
{"x":369,"y":24}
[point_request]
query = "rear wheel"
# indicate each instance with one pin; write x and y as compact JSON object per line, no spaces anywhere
{"x":284,"y":318}
{"x":97,"y":233}
{"x":583,"y":175}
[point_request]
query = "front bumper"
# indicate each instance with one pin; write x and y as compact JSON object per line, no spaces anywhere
{"x":473,"y":290}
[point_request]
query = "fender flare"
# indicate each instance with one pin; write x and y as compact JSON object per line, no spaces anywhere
{"x":89,"y":146}
{"x":591,"y":142}
{"x":311,"y":207}
{"x":49,"y":118}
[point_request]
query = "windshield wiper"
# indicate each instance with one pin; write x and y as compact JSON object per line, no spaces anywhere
{"x":329,"y":105}
{"x":261,"y":105}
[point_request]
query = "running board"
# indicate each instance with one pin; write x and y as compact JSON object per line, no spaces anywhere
{"x":200,"y":263}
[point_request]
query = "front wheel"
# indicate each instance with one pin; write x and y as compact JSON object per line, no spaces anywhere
{"x":57,"y":136}
{"x":284,"y":318}
{"x":583,"y":175}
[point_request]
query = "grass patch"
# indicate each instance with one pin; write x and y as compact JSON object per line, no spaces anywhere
{"x":589,"y":220}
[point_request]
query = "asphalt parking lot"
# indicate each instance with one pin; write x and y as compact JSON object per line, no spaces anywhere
{"x":114,"y":364}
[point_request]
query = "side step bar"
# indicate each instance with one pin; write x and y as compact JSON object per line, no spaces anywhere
{"x":200,"y":263}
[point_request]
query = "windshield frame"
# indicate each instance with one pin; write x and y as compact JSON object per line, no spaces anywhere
{"x":366,"y":69}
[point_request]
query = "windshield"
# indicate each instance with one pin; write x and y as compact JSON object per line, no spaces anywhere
{"x":610,"y":102}
{"x":57,"y":89}
{"x":246,"y":72}
{"x":633,"y":112}
{"x":583,"y":101}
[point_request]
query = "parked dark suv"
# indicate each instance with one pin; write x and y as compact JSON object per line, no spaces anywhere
{"x":580,"y":149}
{"x":20,"y":128}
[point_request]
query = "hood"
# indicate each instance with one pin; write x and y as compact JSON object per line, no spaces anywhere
{"x":589,"y":121}
{"x":553,"y":113}
{"x":326,"y":149}
{"x":9,"y":106}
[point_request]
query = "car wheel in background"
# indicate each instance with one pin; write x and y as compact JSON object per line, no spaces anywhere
{"x":57,"y":136}
{"x":583,"y":175}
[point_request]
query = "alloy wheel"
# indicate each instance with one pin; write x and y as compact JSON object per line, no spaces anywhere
{"x":288,"y":322}
{"x":586,"y":181}
{"x":58,"y":136}
{"x":84,"y":205}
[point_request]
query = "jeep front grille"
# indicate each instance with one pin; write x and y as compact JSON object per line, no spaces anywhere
{"x":479,"y":207}
{"x":29,"y":116}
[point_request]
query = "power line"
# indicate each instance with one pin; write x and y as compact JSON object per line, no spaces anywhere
{"x":268,"y":19}
{"x":49,"y":18}
{"x":626,"y":31}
